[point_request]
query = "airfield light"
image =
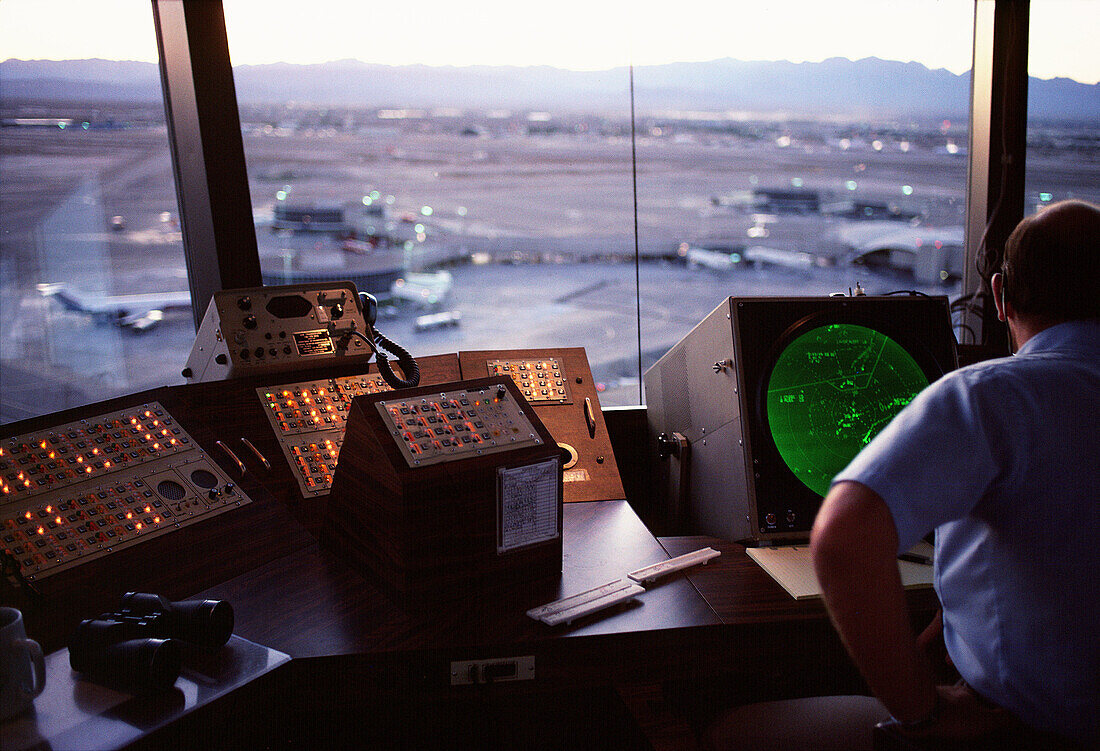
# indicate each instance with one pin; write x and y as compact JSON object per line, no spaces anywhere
{"x":390,"y":200}
{"x":904,"y":146}
{"x":783,"y":142}
{"x":419,"y":229}
{"x":907,"y":190}
{"x":61,"y":125}
{"x":281,"y":195}
{"x":850,"y":185}
{"x":876,"y":145}
{"x":367,"y":200}
{"x":409,"y":245}
{"x":461,"y":211}
{"x":952,"y":148}
{"x":1045,"y":197}
{"x":375,"y":195}
{"x":845,"y":144}
{"x":796,"y":182}
{"x":425,"y":210}
{"x":85,"y":125}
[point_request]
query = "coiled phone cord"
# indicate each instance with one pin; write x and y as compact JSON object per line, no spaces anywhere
{"x":404,"y":359}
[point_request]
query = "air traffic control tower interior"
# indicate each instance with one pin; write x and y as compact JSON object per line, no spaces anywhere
{"x":339,"y":539}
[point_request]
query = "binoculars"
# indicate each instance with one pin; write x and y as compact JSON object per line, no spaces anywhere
{"x":139,"y":646}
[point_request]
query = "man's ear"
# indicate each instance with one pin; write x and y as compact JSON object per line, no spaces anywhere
{"x":997,"y":284}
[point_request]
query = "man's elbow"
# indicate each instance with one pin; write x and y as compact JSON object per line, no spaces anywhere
{"x":853,"y":523}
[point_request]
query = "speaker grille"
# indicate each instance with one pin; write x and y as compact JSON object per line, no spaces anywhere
{"x":675,"y":391}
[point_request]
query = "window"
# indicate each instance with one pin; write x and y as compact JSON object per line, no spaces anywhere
{"x":1063,"y":124}
{"x":487,"y":161}
{"x":94,"y":299}
{"x":480,"y":170}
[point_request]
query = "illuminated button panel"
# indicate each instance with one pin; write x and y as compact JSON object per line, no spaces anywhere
{"x":300,"y":408}
{"x":457,"y":424}
{"x":315,"y":461}
{"x":541,"y":380}
{"x":80,"y":451}
{"x":309,"y":418}
{"x":139,"y":487}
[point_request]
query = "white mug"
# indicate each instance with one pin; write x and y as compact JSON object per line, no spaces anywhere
{"x":22,"y":667}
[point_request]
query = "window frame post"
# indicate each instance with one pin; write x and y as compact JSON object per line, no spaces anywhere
{"x":204,"y":134}
{"x":998,"y":152}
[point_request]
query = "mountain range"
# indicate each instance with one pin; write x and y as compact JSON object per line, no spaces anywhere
{"x":870,"y":87}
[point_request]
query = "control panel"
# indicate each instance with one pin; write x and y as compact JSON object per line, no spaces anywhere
{"x":447,"y":491}
{"x":539,"y":379}
{"x":269,"y":329}
{"x":455,"y":424}
{"x":308,"y":418}
{"x":84,"y":489}
{"x":559,"y":386}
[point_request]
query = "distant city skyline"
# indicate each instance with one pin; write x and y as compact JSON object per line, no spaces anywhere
{"x":567,"y":34}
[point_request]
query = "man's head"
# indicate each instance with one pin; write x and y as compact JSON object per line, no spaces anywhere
{"x":1051,"y":269}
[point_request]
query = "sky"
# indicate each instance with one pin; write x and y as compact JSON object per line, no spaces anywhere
{"x":575,"y":34}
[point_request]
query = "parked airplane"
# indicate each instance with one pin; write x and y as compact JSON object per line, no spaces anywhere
{"x":715,"y":257}
{"x":426,"y":289}
{"x":134,"y":312}
{"x":725,"y":258}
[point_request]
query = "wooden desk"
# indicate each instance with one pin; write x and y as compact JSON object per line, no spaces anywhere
{"x":789,"y":647}
{"x":353,"y":647}
{"x":311,"y":605}
{"x":740,"y":592}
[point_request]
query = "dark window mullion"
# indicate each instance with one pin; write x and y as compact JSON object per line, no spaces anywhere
{"x":204,"y":132}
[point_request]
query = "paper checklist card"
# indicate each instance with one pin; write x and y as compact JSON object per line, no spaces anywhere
{"x":792,"y":568}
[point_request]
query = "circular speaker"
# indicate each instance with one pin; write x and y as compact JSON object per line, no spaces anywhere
{"x":171,"y":490}
{"x":204,"y":478}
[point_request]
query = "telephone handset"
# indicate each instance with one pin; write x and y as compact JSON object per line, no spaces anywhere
{"x":376,"y":340}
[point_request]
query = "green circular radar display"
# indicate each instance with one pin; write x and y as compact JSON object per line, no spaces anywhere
{"x":831,"y":391}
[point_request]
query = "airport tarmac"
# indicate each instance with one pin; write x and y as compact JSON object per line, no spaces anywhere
{"x":564,"y":201}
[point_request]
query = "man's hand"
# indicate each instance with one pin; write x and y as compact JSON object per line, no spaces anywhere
{"x":962,"y":714}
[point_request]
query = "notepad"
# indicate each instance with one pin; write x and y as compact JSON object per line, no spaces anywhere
{"x":790,"y":565}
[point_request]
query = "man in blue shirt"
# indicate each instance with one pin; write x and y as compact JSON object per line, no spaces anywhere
{"x":1002,"y":459}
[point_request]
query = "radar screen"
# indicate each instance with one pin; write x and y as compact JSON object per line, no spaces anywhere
{"x":820,"y":377}
{"x":831,"y":390}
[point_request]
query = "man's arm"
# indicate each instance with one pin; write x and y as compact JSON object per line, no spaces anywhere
{"x":854,"y":547}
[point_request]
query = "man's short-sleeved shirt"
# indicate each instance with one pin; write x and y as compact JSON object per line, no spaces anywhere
{"x":1002,"y":459}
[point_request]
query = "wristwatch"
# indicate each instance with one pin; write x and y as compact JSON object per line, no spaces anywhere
{"x":921,"y":723}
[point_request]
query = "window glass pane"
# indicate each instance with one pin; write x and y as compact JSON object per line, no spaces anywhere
{"x":488,"y":149}
{"x":812,"y":147}
{"x":494,"y":184}
{"x":93,"y":286}
{"x":1063,"y":126}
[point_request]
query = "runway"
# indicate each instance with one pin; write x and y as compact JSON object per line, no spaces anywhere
{"x":552,"y":214}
